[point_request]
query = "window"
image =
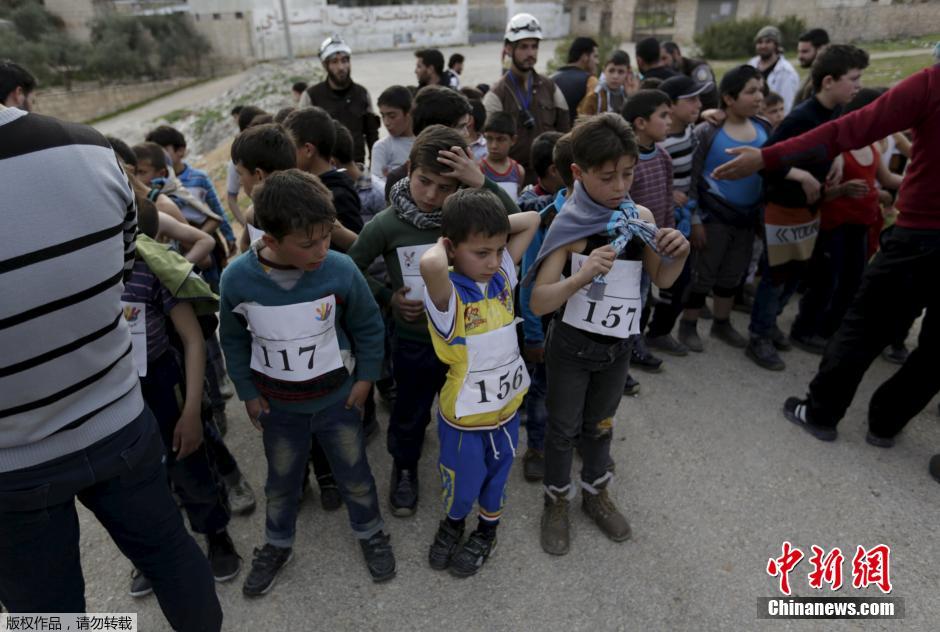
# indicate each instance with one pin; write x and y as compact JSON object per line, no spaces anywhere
{"x":216,"y":16}
{"x":239,"y":15}
{"x":582,"y":14}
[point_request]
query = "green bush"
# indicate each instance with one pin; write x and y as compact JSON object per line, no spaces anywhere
{"x":734,"y":39}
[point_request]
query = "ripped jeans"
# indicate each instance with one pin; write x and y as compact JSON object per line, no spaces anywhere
{"x":287,"y":438}
{"x":585,"y":385}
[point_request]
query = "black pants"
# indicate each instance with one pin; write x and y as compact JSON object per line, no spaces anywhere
{"x":669,"y":308}
{"x":901,"y":281}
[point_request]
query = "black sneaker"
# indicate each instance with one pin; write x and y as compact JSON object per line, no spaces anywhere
{"x":473,"y":554}
{"x":688,"y":336}
{"x":403,"y":491}
{"x":330,"y":500}
{"x":641,"y":357}
{"x":379,"y":557}
{"x":780,"y":340}
{"x":533,"y":465}
{"x":631,"y":387}
{"x":725,"y":331}
{"x":934,"y":467}
{"x":265,"y":567}
{"x":896,"y":354}
{"x":667,"y":344}
{"x":140,"y":585}
{"x":764,"y":354}
{"x":879,"y":442}
{"x":223,"y":559}
{"x":814,"y":344}
{"x":794,"y":409}
{"x":446,"y":541}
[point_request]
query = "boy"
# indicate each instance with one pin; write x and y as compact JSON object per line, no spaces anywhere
{"x":439,"y":163}
{"x":476,"y":142}
{"x":649,"y":113}
{"x":602,"y":241}
{"x":392,"y":151}
{"x":371,"y":188}
{"x":610,"y":93}
{"x":472,"y":325}
{"x":292,"y":313}
{"x":792,"y":197}
{"x":500,"y":134}
{"x":772,"y":109}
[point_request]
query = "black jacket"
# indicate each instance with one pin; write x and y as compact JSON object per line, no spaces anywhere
{"x":353,"y":108}
{"x":345,"y":199}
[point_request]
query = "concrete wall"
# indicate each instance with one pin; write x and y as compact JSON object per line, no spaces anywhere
{"x":88,"y":101}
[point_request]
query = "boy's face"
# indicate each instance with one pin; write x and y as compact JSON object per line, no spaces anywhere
{"x":498,"y":145}
{"x":609,"y":183}
{"x":479,"y":256}
{"x":463,"y":125}
{"x":429,"y":190}
{"x":176,"y":155}
{"x":249,"y":179}
{"x":845,"y":87}
{"x":774,"y":114}
{"x":686,"y":110}
{"x":657,"y":125}
{"x":749,"y":99}
{"x":147,"y":172}
{"x":301,"y":249}
{"x":395,"y":121}
{"x":616,"y":75}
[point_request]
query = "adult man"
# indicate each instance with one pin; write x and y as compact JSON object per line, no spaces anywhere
{"x":650,"y":60}
{"x":779,"y":74}
{"x":16,"y":86}
{"x":429,"y":68}
{"x":811,"y":44}
{"x":533,"y":100}
{"x":455,"y":68}
{"x":697,"y":69}
{"x":580,"y":75}
{"x":345,"y":100}
{"x":72,"y":418}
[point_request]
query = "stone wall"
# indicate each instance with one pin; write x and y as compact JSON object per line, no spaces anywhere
{"x":90,"y":101}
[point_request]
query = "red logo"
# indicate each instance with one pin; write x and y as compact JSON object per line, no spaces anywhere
{"x":869,"y":567}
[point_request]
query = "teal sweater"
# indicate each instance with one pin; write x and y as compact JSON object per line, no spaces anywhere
{"x":359,"y":324}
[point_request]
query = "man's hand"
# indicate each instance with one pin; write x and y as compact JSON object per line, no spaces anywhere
{"x":408,"y":309}
{"x":460,"y":160}
{"x":748,"y":161}
{"x":671,"y":243}
{"x":534,"y":354}
{"x":256,"y":407}
{"x":600,"y":261}
{"x":187,"y":435}
{"x":357,"y":396}
{"x":855,"y":188}
{"x":679,"y":197}
{"x":714,"y":116}
{"x":811,"y":188}
{"x":834,"y":176}
{"x":697,"y":236}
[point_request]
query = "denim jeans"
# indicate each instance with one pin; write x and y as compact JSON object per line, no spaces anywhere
{"x":774,"y":290}
{"x":536,"y":412}
{"x":287,"y":438}
{"x":122,"y":480}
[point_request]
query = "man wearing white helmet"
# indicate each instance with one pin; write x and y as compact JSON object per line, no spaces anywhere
{"x":533,"y":100}
{"x":345,"y":100}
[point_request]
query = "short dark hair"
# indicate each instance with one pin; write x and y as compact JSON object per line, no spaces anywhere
{"x":437,"y":105}
{"x":152,"y":153}
{"x":261,"y":119}
{"x":733,"y":81}
{"x":473,"y":212}
{"x":643,"y":104}
{"x":299,"y":86}
{"x":542,"y":149}
{"x":343,"y":147}
{"x":671,"y":47}
{"x":837,"y":60}
{"x":398,"y":97}
{"x":166,"y":136}
{"x":247,"y":113}
{"x":148,"y":219}
{"x":579,"y":47}
{"x":123,"y":150}
{"x":266,"y":147}
{"x":862,"y":98}
{"x":429,"y":142}
{"x":618,"y":58}
{"x":312,"y":125}
{"x":281,"y":115}
{"x":816,"y":37}
{"x":235,"y":111}
{"x":455,"y":59}
{"x":291,"y":200}
{"x":13,"y":76}
{"x":500,"y":123}
{"x":772,"y":99}
{"x":478,"y":113}
{"x":601,"y":139}
{"x":650,"y":83}
{"x":471,"y":92}
{"x":433,"y":58}
{"x":648,"y":50}
{"x":562,"y":157}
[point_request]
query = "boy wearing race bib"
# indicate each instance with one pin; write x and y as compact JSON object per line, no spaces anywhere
{"x":293,"y":314}
{"x":473,"y":329}
{"x":588,"y":273}
{"x":439,"y":164}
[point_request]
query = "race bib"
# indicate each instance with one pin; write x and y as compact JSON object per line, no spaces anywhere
{"x":496,"y":372}
{"x":136,"y":316}
{"x":618,"y":313}
{"x":409,"y":257}
{"x":293,"y":343}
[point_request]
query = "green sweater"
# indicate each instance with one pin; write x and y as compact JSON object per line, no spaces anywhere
{"x":382,"y":237}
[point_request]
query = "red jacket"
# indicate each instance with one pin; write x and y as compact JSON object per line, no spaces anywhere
{"x":912,"y":104}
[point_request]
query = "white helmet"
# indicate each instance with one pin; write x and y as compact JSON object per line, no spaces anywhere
{"x":523,"y":26}
{"x":332,"y":45}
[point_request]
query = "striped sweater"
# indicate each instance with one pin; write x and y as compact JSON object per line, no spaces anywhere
{"x":67,"y":377}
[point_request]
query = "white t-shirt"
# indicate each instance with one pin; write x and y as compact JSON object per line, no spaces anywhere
{"x":232,"y":181}
{"x":390,"y":153}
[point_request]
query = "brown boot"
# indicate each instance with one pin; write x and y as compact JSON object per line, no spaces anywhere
{"x":604,"y":512}
{"x":555,"y":526}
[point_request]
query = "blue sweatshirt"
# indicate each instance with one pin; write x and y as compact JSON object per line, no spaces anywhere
{"x":359,"y":325}
{"x":532,"y":325}
{"x":199,"y":184}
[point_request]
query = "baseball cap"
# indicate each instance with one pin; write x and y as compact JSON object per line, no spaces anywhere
{"x":683,"y":87}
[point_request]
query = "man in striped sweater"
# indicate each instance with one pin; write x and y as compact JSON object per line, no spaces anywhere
{"x":72,"y":420}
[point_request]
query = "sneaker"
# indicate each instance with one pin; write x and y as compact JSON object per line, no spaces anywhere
{"x":601,"y":508}
{"x":814,"y":344}
{"x":403,"y":491}
{"x":631,"y":387}
{"x":794,"y":409}
{"x":379,"y":557}
{"x":265,"y":567}
{"x":140,"y":585}
{"x":667,"y":344}
{"x":725,"y":331}
{"x":879,"y":442}
{"x":533,"y":465}
{"x":642,"y":358}
{"x":226,"y":390}
{"x":330,"y":500}
{"x":780,"y":340}
{"x":473,"y":554}
{"x":241,"y":498}
{"x":934,"y":467}
{"x":221,"y":421}
{"x":896,"y":354}
{"x":446,"y":541}
{"x":688,"y":335}
{"x":763,"y":353}
{"x":223,"y":559}
{"x":555,"y":528}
